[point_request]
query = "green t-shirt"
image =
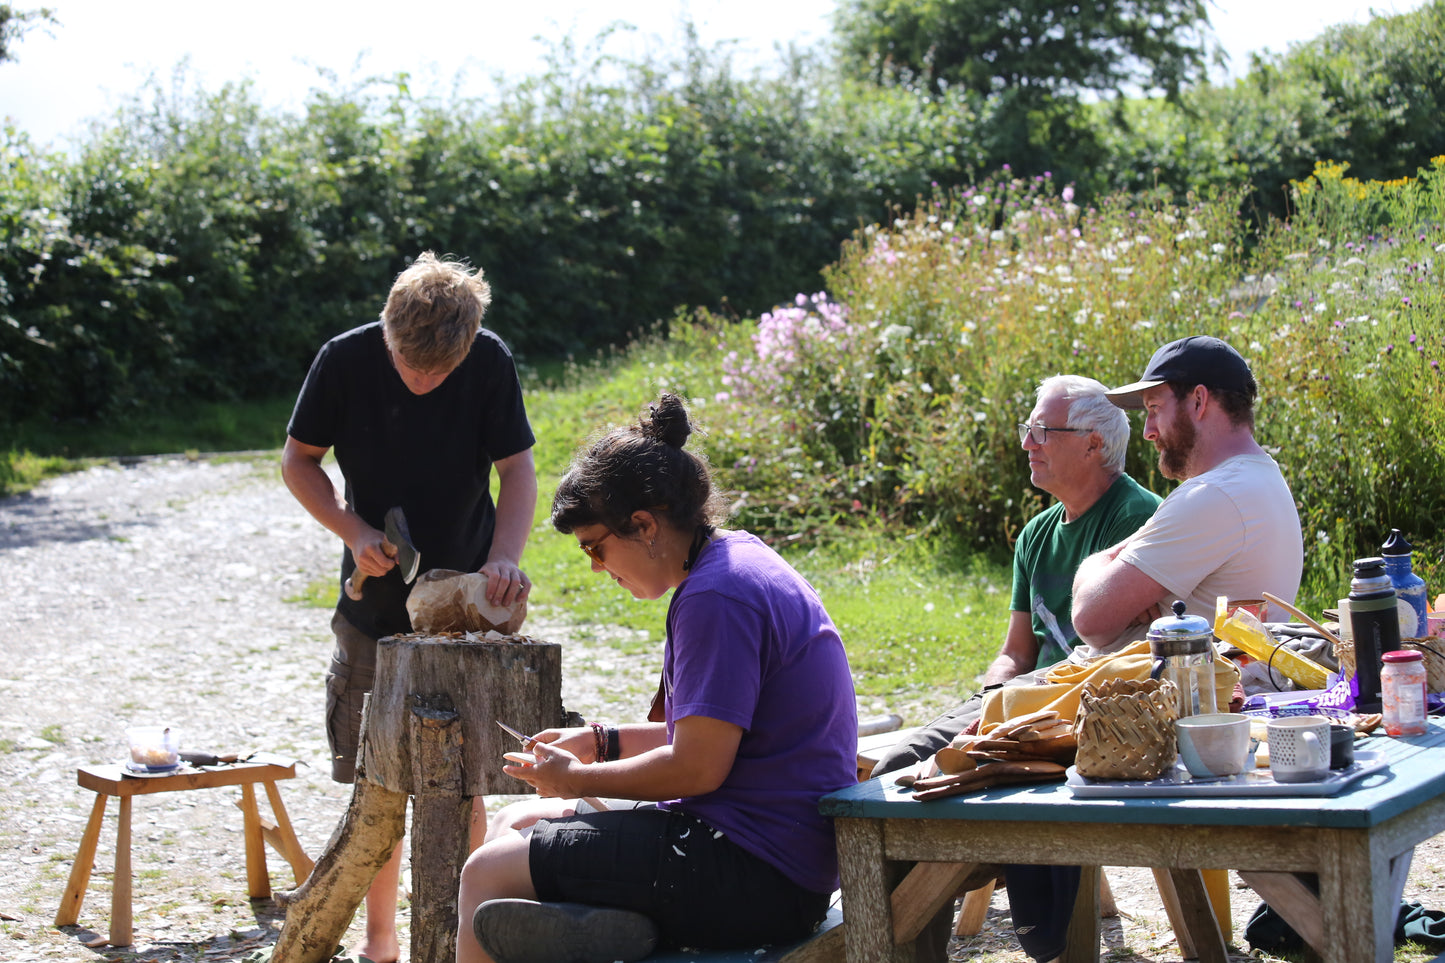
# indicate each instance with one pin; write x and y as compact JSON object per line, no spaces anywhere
{"x":1049,"y":551}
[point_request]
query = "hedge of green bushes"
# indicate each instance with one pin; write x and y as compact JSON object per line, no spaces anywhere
{"x":197,"y":247}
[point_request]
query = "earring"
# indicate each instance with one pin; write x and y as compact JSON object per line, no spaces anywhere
{"x":650,"y":546}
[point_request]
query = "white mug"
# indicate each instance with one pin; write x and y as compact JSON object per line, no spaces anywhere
{"x":1299,"y":748}
{"x":1213,"y":745}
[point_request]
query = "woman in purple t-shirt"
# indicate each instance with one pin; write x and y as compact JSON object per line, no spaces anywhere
{"x":727,"y":848}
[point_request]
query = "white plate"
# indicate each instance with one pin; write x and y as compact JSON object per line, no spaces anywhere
{"x":143,"y":771}
{"x":1259,"y":782}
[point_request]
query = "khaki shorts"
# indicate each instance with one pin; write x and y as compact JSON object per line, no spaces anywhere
{"x":348,"y":680}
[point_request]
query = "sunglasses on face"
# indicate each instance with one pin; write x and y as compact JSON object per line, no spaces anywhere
{"x":591,"y":550}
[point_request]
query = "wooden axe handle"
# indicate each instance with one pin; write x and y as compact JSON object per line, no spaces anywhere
{"x":353,"y":584}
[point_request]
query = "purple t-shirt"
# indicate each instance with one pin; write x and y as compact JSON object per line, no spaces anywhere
{"x":748,"y":642}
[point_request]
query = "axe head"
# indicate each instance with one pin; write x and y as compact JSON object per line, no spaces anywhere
{"x":408,"y":559}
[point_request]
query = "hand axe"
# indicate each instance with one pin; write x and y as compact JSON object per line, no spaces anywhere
{"x":396,"y":542}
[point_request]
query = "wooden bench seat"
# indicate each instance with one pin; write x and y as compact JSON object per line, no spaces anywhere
{"x":824,"y":946}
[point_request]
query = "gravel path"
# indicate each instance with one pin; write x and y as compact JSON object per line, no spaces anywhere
{"x":158,"y":590}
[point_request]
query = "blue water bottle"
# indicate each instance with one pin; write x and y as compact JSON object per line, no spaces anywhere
{"x":1409,"y":587}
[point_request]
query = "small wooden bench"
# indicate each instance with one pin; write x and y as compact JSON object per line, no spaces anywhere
{"x":824,"y":946}
{"x":107,"y":781}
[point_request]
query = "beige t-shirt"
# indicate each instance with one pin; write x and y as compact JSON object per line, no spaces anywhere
{"x":1232,"y":531}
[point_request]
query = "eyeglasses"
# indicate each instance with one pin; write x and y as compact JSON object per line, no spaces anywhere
{"x":1040,"y":433}
{"x":591,"y":549}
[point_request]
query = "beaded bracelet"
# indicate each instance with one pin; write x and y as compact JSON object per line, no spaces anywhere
{"x":599,"y":734}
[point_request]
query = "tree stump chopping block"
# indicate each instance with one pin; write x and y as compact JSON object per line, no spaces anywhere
{"x":431,"y":732}
{"x":517,"y":680}
{"x":428,"y":731}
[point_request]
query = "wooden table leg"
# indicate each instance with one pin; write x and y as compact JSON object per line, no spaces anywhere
{"x":258,"y":881}
{"x":926,"y":889}
{"x":976,"y":904}
{"x":1196,"y":918}
{"x":1354,"y":920}
{"x":1081,"y":942}
{"x":288,"y":845}
{"x":1290,"y":897}
{"x":69,"y":911}
{"x":121,"y":931}
{"x":866,"y":902}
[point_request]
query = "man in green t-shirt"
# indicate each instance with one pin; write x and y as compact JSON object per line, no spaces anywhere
{"x":1076,"y":453}
{"x":1076,"y":445}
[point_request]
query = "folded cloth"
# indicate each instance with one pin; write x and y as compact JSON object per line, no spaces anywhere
{"x":1063,"y":683}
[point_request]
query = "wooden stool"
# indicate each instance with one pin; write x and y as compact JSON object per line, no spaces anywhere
{"x":107,"y":781}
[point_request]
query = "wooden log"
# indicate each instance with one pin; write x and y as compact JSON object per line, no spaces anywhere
{"x":518,"y":681}
{"x":320,"y":909}
{"x":428,"y":730}
{"x":440,"y":843}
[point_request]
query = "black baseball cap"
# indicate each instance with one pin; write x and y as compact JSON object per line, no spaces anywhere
{"x":1196,"y":360}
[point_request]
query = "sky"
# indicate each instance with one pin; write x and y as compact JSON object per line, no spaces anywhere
{"x":104,"y":50}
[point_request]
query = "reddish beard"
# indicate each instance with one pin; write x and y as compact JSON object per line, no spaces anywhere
{"x":1176,"y":447}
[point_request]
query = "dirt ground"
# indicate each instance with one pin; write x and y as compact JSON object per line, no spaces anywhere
{"x":157,"y":591}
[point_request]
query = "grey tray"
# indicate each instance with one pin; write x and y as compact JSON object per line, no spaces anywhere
{"x":1258,"y":782}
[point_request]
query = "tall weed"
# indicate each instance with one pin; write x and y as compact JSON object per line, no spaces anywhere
{"x":892,"y":398}
{"x":901,"y":403}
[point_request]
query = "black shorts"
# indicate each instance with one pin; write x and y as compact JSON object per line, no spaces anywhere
{"x":700,"y":888}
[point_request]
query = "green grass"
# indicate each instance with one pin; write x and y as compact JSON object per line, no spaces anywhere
{"x":921,"y":617}
{"x":317,"y":594}
{"x":31,"y":452}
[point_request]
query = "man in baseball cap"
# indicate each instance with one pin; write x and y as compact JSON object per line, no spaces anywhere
{"x":1230,"y":529}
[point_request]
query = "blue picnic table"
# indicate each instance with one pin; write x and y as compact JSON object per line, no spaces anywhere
{"x":902,"y":859}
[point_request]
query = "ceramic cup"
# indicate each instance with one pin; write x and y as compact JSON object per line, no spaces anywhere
{"x":1213,"y":745}
{"x":1342,"y":746}
{"x":1299,"y":748}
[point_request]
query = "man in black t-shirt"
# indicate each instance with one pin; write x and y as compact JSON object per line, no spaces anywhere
{"x":418,"y":407}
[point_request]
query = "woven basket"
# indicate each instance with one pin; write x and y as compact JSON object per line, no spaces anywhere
{"x":1125,"y":729}
{"x":1434,"y":652}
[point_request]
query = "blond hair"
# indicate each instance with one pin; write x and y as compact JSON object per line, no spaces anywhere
{"x":433,"y":312}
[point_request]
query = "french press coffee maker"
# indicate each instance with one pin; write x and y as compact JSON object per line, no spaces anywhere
{"x":1183,"y":650}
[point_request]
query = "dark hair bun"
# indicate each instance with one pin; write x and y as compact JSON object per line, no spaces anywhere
{"x":668,"y":422}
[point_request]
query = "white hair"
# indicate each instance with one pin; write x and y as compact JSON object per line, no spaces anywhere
{"x":1090,"y":408}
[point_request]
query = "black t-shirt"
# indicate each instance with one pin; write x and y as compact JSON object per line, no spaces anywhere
{"x":431,"y":454}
